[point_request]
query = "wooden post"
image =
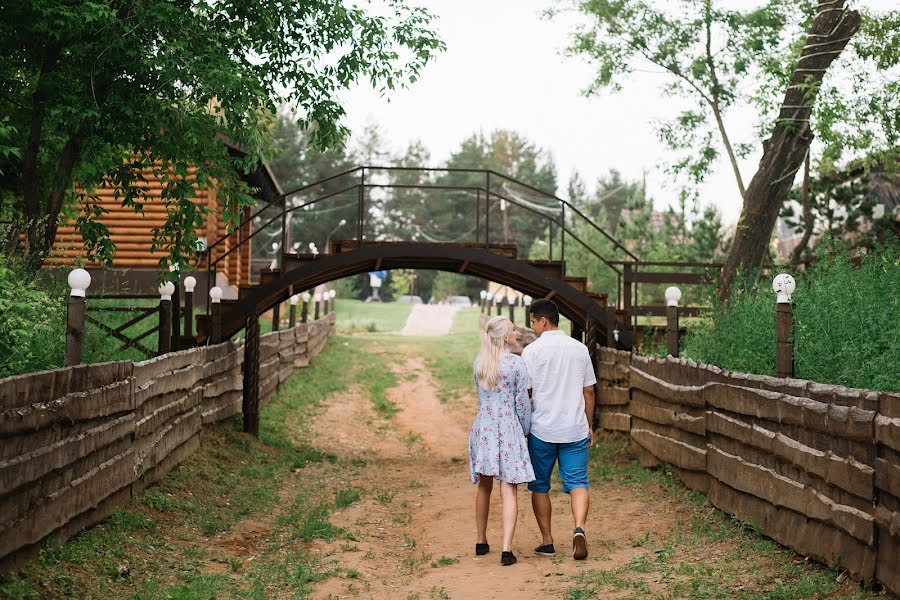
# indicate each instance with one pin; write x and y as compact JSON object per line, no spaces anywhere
{"x":577,"y":332}
{"x":672,"y":330}
{"x":499,"y":305}
{"x":325,"y":307}
{"x":784,"y":285}
{"x":276,"y":317}
{"x":512,"y":311}
{"x":627,"y":279}
{"x":189,"y":284}
{"x":317,"y":300}
{"x":304,"y":311}
{"x":250,"y":406}
{"x":164,"y":331}
{"x":215,"y":308}
{"x":175,"y":335}
{"x":784,"y":344}
{"x":79,"y":281}
{"x":673,"y":295}
{"x":292,"y":315}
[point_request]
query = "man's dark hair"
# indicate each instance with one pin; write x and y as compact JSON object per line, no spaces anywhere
{"x":545,"y":308}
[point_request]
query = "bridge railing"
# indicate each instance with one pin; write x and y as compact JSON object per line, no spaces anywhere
{"x":445,"y":205}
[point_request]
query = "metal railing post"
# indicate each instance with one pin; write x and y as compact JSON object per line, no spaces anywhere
{"x":360,"y":212}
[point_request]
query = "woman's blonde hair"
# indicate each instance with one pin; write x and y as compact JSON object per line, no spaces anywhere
{"x":493,"y":343}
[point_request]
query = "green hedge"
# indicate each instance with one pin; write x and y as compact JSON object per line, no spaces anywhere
{"x":846,"y":321}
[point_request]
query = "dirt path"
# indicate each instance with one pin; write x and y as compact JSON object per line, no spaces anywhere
{"x":413,"y":527}
{"x":425,"y":319}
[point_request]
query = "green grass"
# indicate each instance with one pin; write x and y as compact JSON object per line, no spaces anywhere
{"x":708,"y":554}
{"x":355,"y":316}
{"x":842,"y":322}
{"x":160,"y":545}
{"x":450,"y":358}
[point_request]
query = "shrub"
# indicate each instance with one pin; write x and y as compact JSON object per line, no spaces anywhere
{"x":845,"y":321}
{"x":32,"y":325}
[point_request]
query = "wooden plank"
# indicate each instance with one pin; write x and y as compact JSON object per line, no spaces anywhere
{"x":612,"y":395}
{"x":809,"y":537}
{"x":79,"y":495}
{"x":843,"y":472}
{"x":783,"y":492}
{"x":887,"y":478}
{"x":650,"y":409}
{"x":888,"y":567}
{"x":614,"y":421}
{"x":670,"y":450}
{"x":687,"y":395}
{"x":25,"y":468}
{"x":887,"y":431}
{"x":847,"y":422}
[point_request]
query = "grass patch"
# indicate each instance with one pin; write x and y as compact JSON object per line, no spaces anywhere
{"x":355,"y":316}
{"x":345,"y":498}
{"x":450,"y":358}
{"x":842,"y":313}
{"x":444,"y":561}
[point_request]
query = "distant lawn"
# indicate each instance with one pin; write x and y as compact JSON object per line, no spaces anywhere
{"x":355,"y":316}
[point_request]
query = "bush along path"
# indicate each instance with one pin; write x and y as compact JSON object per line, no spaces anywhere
{"x":358,"y":488}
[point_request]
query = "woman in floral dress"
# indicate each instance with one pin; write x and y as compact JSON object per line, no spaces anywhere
{"x":497,"y":446}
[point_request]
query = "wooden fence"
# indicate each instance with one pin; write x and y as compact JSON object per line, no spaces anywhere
{"x":815,"y":467}
{"x":77,"y":443}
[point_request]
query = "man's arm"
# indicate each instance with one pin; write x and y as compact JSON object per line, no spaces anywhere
{"x":588,"y":393}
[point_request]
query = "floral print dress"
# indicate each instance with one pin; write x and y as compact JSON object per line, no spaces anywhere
{"x":497,"y":445}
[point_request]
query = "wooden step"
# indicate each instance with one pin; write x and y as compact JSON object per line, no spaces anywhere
{"x":245,"y":290}
{"x":507,"y":250}
{"x":268,"y":275}
{"x":600,"y":299}
{"x":579,"y":283}
{"x":299,"y":259}
{"x":556,"y":268}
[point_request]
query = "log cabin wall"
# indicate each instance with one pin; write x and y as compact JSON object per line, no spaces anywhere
{"x":815,"y":467}
{"x":77,"y":443}
{"x":133,"y":233}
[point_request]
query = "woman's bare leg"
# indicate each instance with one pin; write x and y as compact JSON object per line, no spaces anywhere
{"x":482,"y":505}
{"x":510,"y":512}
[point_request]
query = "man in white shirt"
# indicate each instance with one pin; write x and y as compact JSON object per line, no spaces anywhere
{"x":562,"y":395}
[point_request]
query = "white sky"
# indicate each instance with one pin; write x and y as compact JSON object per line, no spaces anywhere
{"x":504,"y":69}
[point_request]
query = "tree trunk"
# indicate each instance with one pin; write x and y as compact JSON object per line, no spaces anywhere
{"x":808,"y":219}
{"x":785,"y":150}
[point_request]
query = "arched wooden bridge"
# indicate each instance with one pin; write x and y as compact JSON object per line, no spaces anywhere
{"x":500,"y":259}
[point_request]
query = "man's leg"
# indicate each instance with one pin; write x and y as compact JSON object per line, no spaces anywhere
{"x":543,"y":457}
{"x":581,"y":502}
{"x":540,"y":503}
{"x":573,"y":458}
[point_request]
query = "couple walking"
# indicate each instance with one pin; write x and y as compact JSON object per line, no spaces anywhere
{"x":546,"y":396}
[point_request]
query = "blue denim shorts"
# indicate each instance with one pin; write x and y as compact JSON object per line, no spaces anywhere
{"x":573,"y":460}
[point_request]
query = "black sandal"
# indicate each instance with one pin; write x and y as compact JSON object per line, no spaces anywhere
{"x":482,"y":549}
{"x":507,"y":558}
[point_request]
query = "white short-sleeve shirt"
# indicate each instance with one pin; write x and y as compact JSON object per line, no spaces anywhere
{"x":559,"y":367}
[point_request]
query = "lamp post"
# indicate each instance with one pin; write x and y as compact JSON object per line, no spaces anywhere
{"x":498,"y":303}
{"x":317,"y":300}
{"x":189,"y":284}
{"x":673,"y":295}
{"x":483,"y":295}
{"x":292,"y":316}
{"x":176,"y":309}
{"x":215,"y":307}
{"x":79,"y":281}
{"x":511,"y":300}
{"x":333,"y":301}
{"x":526,"y":300}
{"x":488,"y":301}
{"x":304,"y":312}
{"x":164,"y":343}
{"x":784,"y":285}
